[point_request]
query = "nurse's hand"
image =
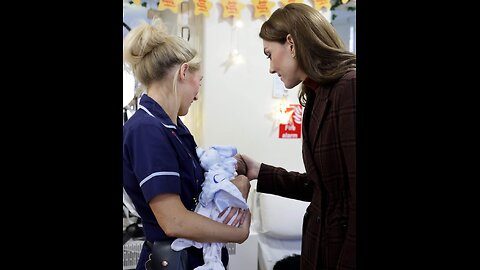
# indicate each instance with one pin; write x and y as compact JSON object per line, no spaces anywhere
{"x":241,"y":214}
{"x":243,"y":184}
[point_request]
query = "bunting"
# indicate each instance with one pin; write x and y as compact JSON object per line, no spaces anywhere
{"x":232,"y":8}
{"x":169,"y":4}
{"x":261,"y":8}
{"x":319,"y":4}
{"x":286,"y":2}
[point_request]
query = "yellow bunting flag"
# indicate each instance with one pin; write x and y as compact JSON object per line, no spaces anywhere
{"x":232,"y":8}
{"x":322,"y":3}
{"x":137,"y":2}
{"x":344,"y":1}
{"x":285,"y":2}
{"x":169,"y":4}
{"x":202,"y":7}
{"x":262,"y":8}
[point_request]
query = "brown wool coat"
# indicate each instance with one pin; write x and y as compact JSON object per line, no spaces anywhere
{"x":329,"y":144}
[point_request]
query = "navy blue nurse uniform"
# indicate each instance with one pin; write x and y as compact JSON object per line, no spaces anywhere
{"x":160,"y":157}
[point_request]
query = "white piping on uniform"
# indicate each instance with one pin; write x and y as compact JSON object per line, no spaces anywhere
{"x":147,"y":111}
{"x":157,"y":174}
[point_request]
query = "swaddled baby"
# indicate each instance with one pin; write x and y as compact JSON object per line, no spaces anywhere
{"x":218,"y":193}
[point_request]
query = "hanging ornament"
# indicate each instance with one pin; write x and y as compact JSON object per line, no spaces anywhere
{"x":169,"y":4}
{"x":232,"y":8}
{"x":262,"y":8}
{"x":202,"y":7}
{"x":324,"y":6}
{"x":234,"y":57}
{"x":286,"y":2}
{"x":319,"y":4}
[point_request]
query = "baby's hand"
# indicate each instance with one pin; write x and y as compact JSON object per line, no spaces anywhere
{"x":241,"y":166}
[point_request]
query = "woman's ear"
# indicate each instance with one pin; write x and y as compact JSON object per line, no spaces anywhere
{"x":183,"y":71}
{"x":290,"y":40}
{"x":291,"y":45}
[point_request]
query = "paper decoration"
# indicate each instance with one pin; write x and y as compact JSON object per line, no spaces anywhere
{"x":262,"y":8}
{"x":202,"y":7}
{"x":285,"y":2}
{"x":322,"y":3}
{"x":169,"y":4}
{"x":232,"y":8}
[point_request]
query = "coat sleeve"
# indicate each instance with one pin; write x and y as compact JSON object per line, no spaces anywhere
{"x":289,"y":184}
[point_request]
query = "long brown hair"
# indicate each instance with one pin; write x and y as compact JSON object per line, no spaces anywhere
{"x":319,"y":50}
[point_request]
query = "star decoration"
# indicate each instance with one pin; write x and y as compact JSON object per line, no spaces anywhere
{"x":322,"y":3}
{"x":232,"y":8}
{"x":285,"y":2}
{"x":262,"y":8}
{"x":202,"y":7}
{"x":169,"y":4}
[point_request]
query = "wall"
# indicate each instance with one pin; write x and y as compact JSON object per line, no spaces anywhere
{"x":237,"y":99}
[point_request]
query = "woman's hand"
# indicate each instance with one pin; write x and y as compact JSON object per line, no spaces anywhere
{"x":251,"y":166}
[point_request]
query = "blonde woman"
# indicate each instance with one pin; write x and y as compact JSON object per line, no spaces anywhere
{"x":161,"y":172}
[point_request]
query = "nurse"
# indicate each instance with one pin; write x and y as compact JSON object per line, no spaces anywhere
{"x":161,"y":172}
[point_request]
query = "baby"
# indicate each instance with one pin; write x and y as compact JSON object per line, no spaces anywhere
{"x":218,"y":194}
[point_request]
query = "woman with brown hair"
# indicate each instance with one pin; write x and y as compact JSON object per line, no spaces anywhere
{"x":303,"y":47}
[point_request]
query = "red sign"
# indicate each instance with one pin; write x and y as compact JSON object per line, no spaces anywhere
{"x":292,"y":129}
